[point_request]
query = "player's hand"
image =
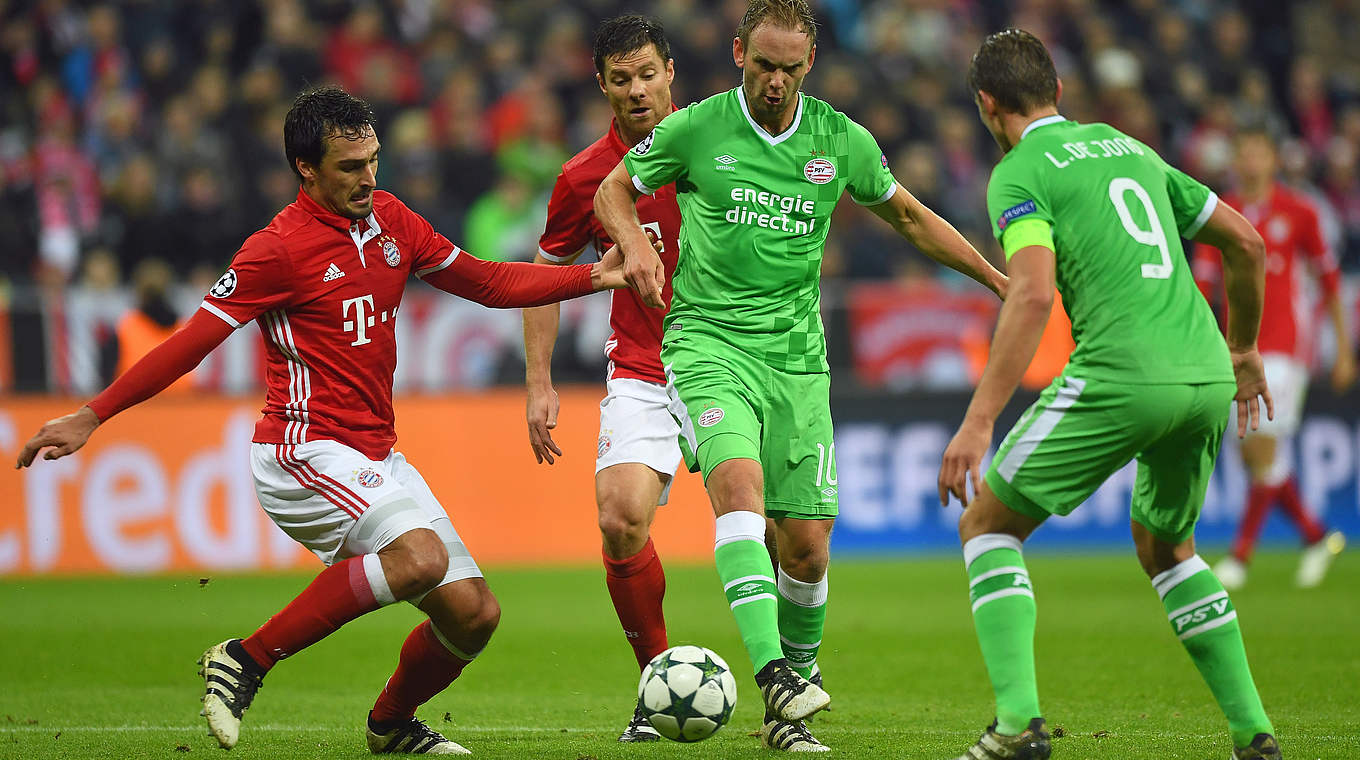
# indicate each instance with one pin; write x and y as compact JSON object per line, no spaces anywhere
{"x":1251,"y":383}
{"x":64,"y":435}
{"x":963,"y":457}
{"x":645,"y":272}
{"x":541,"y":412}
{"x":1343,"y":372}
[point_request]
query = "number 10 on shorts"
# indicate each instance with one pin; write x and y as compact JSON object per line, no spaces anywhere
{"x":826,"y":464}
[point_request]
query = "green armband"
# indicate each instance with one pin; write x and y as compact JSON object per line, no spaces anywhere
{"x":1025,"y":233}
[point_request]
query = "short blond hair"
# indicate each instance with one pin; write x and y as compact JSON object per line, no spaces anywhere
{"x":786,"y":14}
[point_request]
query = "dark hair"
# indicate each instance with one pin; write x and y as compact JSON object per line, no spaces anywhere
{"x":624,"y":34}
{"x":1014,"y":67}
{"x":316,"y":114}
{"x":786,"y":14}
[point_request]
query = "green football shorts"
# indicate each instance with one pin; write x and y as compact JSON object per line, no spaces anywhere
{"x":1080,"y":432}
{"x":731,"y":405}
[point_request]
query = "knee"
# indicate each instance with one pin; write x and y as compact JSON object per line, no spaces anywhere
{"x":622,"y":523}
{"x":805,"y":562}
{"x":419,"y":568}
{"x":487,"y":617}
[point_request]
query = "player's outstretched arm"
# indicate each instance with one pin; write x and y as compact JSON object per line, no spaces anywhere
{"x":1244,"y":256}
{"x":1018,"y":329}
{"x":938,"y":239}
{"x":518,"y":284}
{"x":153,"y":373}
{"x":541,"y":404}
{"x":614,"y":207}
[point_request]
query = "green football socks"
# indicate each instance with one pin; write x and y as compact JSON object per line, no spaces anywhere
{"x":1202,"y":616}
{"x":802,"y":614}
{"x":744,"y":568}
{"x":1004,"y":616}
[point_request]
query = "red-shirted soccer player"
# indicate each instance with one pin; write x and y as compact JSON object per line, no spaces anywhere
{"x":1294,"y":245}
{"x":638,"y":447}
{"x":324,"y":281}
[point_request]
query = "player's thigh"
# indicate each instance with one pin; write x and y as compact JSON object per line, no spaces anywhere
{"x":714,"y":393}
{"x":332,"y":499}
{"x":434,"y":517}
{"x":1174,"y":470}
{"x":798,"y":450}
{"x":628,"y":493}
{"x":638,"y":449}
{"x":464,"y":614}
{"x":1075,"y":436}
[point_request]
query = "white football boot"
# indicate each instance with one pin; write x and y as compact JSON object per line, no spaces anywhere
{"x":229,"y":687}
{"x":413,"y":737}
{"x":1317,"y":558}
{"x":1231,"y":572}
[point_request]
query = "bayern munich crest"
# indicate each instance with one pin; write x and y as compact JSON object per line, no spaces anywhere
{"x":819,"y":171}
{"x":369,"y":478}
{"x":391,"y":254}
{"x":603,"y":446}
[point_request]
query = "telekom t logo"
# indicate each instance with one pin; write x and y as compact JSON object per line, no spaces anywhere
{"x":363,"y":318}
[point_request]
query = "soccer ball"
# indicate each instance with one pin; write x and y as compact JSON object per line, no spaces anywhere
{"x":687,"y":693}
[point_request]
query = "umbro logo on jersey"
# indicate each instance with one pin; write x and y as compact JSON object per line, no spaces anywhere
{"x":332,"y":273}
{"x":725,"y":163}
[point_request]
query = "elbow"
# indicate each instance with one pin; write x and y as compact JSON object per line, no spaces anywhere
{"x":1032,"y":297}
{"x":1253,"y":248}
{"x":602,"y":193}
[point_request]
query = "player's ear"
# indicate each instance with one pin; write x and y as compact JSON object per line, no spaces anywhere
{"x":986,"y":102}
{"x":1058,"y":95}
{"x":307,"y":171}
{"x":670,"y":70}
{"x":600,"y":81}
{"x":812,"y":55}
{"x":738,"y":53}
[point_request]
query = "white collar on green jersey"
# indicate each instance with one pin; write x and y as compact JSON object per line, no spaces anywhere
{"x":769,"y":138}
{"x":1042,"y":122}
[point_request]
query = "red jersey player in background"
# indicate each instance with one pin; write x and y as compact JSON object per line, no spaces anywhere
{"x":324,"y":282}
{"x":638,"y":448}
{"x":1294,"y":247}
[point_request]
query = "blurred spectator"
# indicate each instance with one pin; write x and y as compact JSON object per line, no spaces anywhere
{"x":503,"y":224}
{"x":149,"y":322}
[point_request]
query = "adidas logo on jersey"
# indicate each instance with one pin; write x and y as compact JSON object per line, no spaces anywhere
{"x":332,"y":273}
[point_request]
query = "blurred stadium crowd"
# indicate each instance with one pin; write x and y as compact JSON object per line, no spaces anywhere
{"x":150,"y":130}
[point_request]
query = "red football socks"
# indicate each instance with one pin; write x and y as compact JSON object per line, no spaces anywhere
{"x":1292,"y":504}
{"x":338,"y":595}
{"x":1258,"y":506}
{"x":426,"y":668}
{"x":637,"y":585}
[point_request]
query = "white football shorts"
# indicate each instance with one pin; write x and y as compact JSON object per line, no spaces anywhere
{"x":635,"y":426}
{"x":1287,"y":379}
{"x":339,"y":503}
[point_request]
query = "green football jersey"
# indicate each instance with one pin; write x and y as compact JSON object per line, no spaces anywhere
{"x":755,"y":209}
{"x":1117,"y":213}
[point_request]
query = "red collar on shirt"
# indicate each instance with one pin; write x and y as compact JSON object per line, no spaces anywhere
{"x":616,"y":142}
{"x":309,"y":204}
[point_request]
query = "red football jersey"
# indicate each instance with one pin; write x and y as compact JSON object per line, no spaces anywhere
{"x":1289,"y":225}
{"x":634,"y":347}
{"x":325,"y":291}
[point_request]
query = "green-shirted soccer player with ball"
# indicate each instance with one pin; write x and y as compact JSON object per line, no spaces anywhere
{"x":1150,"y":379}
{"x":759,"y":170}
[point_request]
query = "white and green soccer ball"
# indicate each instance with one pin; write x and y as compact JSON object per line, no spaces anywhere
{"x":687,"y":693}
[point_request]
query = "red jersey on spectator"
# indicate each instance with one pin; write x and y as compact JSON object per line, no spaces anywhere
{"x":1289,"y":225}
{"x":634,"y":347}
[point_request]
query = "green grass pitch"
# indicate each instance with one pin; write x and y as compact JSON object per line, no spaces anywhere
{"x":105,"y":668}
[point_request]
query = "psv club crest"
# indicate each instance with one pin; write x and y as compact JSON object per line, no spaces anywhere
{"x":391,"y":254}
